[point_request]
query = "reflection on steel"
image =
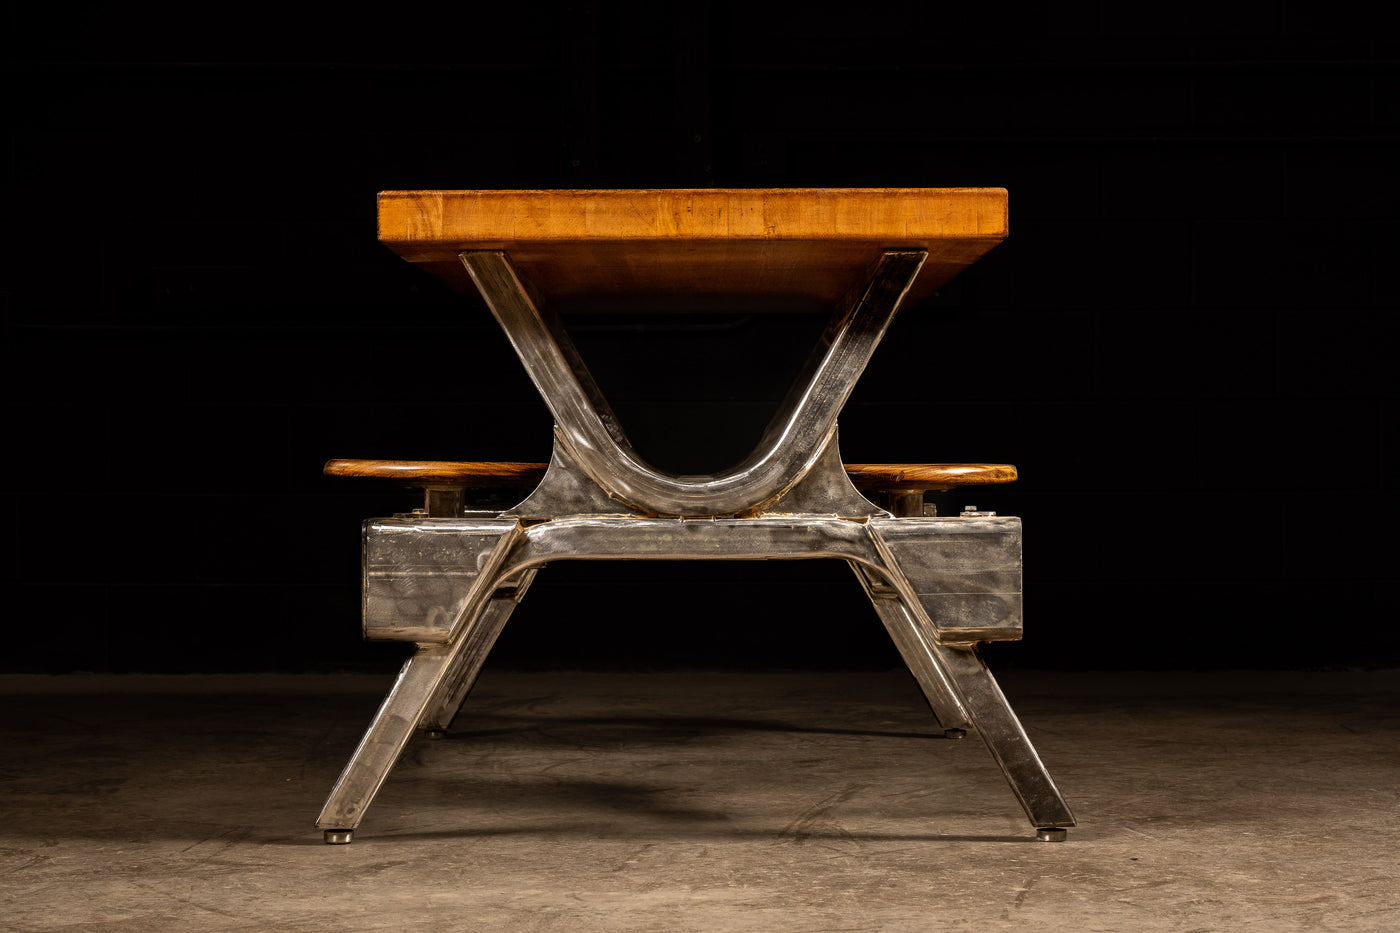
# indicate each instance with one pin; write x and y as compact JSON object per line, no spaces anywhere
{"x":448,"y":579}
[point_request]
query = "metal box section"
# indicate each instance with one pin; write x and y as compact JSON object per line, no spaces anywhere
{"x":966,"y":573}
{"x":419,"y":572}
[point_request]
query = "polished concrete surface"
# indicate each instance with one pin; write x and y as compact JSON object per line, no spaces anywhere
{"x":702,"y":801}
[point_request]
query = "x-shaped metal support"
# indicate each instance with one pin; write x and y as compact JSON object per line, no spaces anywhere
{"x":939,"y":585}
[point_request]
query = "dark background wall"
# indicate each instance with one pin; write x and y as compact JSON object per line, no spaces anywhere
{"x":1185,"y":344}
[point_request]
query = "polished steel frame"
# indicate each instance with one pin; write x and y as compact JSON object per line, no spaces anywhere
{"x":449,"y":580}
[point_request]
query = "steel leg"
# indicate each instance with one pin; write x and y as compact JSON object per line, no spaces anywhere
{"x":424,"y":678}
{"x":465,"y":669}
{"x":941,"y":697}
{"x":962,"y":692}
{"x":994,"y":720}
{"x":385,"y":740}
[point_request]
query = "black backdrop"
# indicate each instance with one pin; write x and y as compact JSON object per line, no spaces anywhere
{"x":1185,"y":344}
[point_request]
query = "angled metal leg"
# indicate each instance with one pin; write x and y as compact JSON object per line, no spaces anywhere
{"x":382,"y":744}
{"x":918,"y":657}
{"x":1007,"y":741}
{"x":962,"y":692}
{"x":466,"y":667}
{"x":424,"y":679}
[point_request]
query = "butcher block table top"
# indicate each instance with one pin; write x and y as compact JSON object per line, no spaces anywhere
{"x":792,"y":245}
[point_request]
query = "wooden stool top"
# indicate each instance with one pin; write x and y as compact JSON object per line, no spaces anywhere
{"x":812,"y":244}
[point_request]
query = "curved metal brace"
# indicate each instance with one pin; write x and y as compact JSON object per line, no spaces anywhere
{"x":567,"y":491}
{"x":792,"y":442}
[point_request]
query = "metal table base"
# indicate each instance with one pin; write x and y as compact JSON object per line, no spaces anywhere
{"x":449,"y":580}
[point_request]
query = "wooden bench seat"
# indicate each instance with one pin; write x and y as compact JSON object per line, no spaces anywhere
{"x":440,"y":472}
{"x":469,"y":474}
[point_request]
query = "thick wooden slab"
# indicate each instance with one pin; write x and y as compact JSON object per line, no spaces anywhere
{"x":791,"y":246}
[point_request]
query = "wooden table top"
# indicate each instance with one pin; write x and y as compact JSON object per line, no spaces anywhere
{"x":788,"y":246}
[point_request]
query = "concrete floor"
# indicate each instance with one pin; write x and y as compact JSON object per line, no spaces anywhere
{"x":805,"y":801}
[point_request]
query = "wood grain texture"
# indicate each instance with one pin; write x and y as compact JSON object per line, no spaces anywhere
{"x":914,"y":476}
{"x":808,"y":244}
{"x":439,"y":472}
{"x":882,"y":476}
